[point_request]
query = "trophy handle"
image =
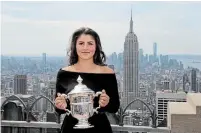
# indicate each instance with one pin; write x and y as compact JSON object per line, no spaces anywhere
{"x":96,"y":110}
{"x":96,"y":95}
{"x":68,"y":112}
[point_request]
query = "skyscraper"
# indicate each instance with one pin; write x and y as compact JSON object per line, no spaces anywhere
{"x":155,"y":50}
{"x":166,"y":85}
{"x":131,"y":66}
{"x":141,"y":55}
{"x":193,"y":80}
{"x":20,"y":84}
{"x":199,"y":85}
{"x":185,"y":81}
{"x":51,"y":93}
{"x":44,"y":63}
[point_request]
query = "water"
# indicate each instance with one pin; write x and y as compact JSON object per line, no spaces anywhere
{"x":188,"y":60}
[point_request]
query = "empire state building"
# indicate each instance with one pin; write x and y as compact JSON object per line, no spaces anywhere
{"x":131,"y":67}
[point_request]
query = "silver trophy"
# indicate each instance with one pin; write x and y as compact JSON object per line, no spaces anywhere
{"x":81,"y":103}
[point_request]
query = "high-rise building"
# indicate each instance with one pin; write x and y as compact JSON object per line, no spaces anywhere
{"x":166,"y":84}
{"x":141,"y":55}
{"x":20,"y":84}
{"x":114,"y":58}
{"x":155,"y":50}
{"x":199,"y":85}
{"x":151,"y":59}
{"x":51,"y":94}
{"x":164,"y":61}
{"x":120,"y":62}
{"x":173,"y":85}
{"x":162,"y":99}
{"x":44,"y":63}
{"x":141,"y":58}
{"x":185,"y":81}
{"x":131,"y":66}
{"x":193,"y":80}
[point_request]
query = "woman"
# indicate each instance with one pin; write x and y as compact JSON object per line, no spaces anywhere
{"x":87,"y":60}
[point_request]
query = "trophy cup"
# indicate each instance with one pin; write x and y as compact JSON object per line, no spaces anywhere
{"x":81,"y":104}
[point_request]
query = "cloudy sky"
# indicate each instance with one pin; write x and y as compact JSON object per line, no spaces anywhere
{"x":31,"y":28}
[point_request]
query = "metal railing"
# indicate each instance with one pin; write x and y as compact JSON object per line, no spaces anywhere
{"x":27,"y":123}
{"x":54,"y":125}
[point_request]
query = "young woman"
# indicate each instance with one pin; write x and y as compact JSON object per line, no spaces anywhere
{"x":87,"y":60}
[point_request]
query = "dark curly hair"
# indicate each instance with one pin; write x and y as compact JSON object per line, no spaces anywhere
{"x":99,"y":57}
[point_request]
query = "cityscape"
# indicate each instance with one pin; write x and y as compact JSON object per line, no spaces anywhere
{"x":151,"y":86}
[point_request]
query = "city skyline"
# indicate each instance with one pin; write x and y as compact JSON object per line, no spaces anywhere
{"x":138,"y":86}
{"x":172,"y":25}
{"x":155,"y":87}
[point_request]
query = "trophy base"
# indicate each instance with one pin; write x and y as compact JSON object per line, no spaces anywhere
{"x":82,"y":126}
{"x":82,"y":122}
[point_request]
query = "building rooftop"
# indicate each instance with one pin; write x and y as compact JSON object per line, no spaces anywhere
{"x":185,"y":115}
{"x":181,"y":108}
{"x":186,"y":107}
{"x":196,"y":98}
{"x":161,"y":94}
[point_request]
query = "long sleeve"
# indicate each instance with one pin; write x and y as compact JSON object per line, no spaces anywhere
{"x":112,"y":92}
{"x":60,"y":89}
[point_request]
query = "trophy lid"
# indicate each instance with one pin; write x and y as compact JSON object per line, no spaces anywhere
{"x":80,"y":88}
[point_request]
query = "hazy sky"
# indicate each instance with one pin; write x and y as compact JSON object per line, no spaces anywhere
{"x":31,"y":28}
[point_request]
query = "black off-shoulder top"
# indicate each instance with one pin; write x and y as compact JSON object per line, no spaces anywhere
{"x":66,"y":81}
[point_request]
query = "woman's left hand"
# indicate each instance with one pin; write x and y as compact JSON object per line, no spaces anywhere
{"x":104,"y":99}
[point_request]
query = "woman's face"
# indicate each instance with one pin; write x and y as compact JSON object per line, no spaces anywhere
{"x":85,"y":47}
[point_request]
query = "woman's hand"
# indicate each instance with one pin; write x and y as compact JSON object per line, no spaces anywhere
{"x":60,"y":101}
{"x":104,"y":99}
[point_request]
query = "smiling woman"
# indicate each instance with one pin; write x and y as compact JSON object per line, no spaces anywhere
{"x":86,"y":44}
{"x":87,"y":61}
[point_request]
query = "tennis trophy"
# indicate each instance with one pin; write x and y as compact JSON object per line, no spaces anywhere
{"x":81,"y":103}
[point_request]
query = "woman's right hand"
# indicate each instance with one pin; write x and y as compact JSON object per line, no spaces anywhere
{"x":60,"y":101}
